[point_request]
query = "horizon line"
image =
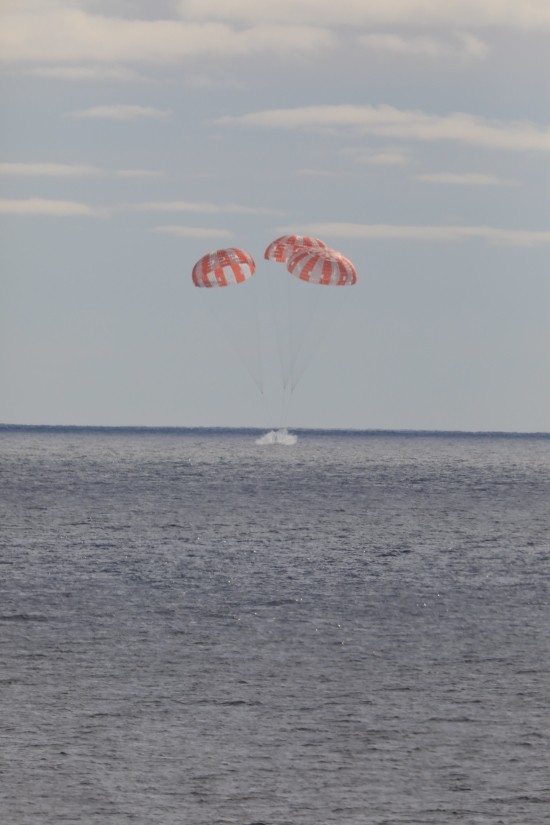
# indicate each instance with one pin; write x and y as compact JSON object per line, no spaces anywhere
{"x":144,"y":428}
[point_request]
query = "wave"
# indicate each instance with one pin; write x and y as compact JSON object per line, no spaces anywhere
{"x":281,"y":436}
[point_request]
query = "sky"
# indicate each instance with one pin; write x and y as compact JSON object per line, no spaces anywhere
{"x":413,"y":136}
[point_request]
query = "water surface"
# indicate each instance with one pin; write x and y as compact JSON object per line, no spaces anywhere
{"x":198,"y":629}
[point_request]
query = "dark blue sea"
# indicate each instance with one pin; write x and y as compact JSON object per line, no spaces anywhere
{"x":198,"y":629}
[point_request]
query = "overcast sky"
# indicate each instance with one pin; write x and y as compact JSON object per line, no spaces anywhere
{"x":412,"y":135}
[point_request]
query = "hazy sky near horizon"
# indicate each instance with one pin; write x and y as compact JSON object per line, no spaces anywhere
{"x":413,"y":135}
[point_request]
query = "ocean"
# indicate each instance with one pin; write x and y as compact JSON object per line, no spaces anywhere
{"x":196,"y":628}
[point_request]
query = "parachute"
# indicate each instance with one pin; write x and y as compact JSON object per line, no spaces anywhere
{"x":232,"y":315}
{"x":282,"y":248}
{"x":223,"y":268}
{"x":324,"y":267}
{"x":304,"y":318}
{"x":298,"y":318}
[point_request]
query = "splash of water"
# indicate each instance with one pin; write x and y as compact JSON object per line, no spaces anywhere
{"x":281,"y":436}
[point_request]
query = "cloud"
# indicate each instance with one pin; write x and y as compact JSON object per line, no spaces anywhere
{"x":401,"y":124}
{"x":314,"y":173}
{"x":465,"y":179}
{"x":464,"y":46}
{"x":64,"y":34}
{"x":210,"y":80}
{"x":138,"y":173}
{"x":194,"y":232}
{"x":49,"y":170}
{"x":122,"y":111}
{"x":61,"y":170}
{"x":78,"y":73}
{"x":388,"y":157}
{"x":204,"y":208}
{"x":396,"y":232}
{"x":67,"y":32}
{"x":528,"y":14}
{"x":51,"y":208}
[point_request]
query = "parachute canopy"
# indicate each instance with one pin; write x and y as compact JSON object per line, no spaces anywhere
{"x":282,"y":248}
{"x":223,"y":268}
{"x":325,"y":267}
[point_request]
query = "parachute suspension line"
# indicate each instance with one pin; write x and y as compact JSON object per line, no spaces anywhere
{"x":258,"y":336}
{"x":290,"y":342}
{"x":293,"y":342}
{"x":298,"y":324}
{"x":279,"y":251}
{"x":301,"y":339}
{"x":320,"y":335}
{"x":282,"y":414}
{"x":223,"y":273}
{"x":321,"y":268}
{"x":278,"y":322}
{"x":229,"y":332}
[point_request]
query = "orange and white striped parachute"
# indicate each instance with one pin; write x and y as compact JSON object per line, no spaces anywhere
{"x":324,"y":267}
{"x":282,"y":248}
{"x":224,"y":267}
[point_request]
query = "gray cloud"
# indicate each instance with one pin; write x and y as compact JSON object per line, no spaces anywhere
{"x":51,"y":208}
{"x":91,"y":73}
{"x":122,"y":111}
{"x":401,"y":124}
{"x":387,"y":157}
{"x":70,"y":170}
{"x":462,"y":46}
{"x":397,"y":232}
{"x":465,"y":179}
{"x":51,"y":170}
{"x":205,"y":208}
{"x":529,"y":14}
{"x":194,"y":232}
{"x":64,"y":34}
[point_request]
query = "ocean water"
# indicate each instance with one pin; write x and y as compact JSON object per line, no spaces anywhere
{"x":199,"y":629}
